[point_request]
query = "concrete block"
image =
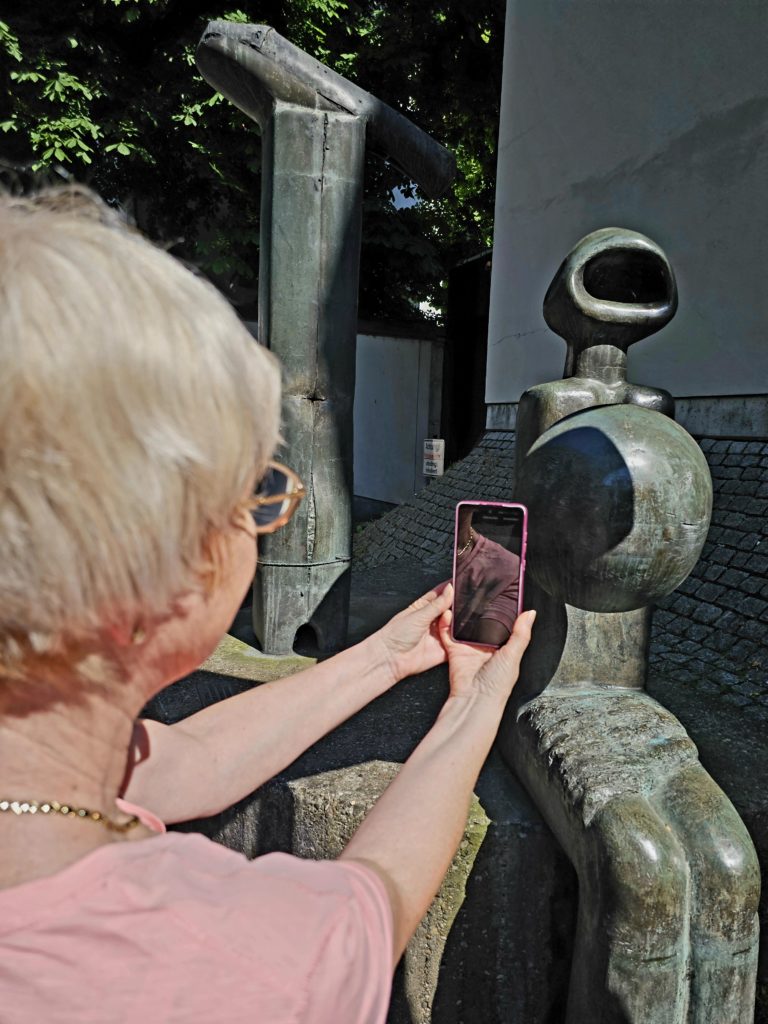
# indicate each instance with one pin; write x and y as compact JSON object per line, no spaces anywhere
{"x":316,"y":816}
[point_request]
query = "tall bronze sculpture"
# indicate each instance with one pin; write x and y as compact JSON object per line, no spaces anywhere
{"x":315,"y":128}
{"x":619,"y":498}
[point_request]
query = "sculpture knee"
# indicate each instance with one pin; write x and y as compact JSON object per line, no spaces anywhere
{"x":725,"y":873}
{"x":726,"y":882}
{"x":641,"y":875}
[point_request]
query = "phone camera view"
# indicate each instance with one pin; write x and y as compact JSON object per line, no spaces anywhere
{"x":490,"y":542}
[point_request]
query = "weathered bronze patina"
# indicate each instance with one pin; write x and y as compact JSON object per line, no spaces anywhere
{"x":620,"y":501}
{"x":315,"y":127}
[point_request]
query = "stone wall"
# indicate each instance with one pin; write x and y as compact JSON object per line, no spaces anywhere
{"x":712,"y":633}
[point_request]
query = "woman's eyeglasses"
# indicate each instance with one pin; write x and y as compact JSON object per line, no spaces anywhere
{"x":277,"y":497}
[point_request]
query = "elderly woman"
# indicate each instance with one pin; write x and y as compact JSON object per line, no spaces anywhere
{"x":138,"y":422}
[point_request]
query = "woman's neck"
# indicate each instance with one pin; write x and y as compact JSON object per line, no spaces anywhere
{"x":75,"y":753}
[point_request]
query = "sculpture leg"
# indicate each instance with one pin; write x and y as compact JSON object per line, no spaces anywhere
{"x":725,"y":890}
{"x":631,"y":943}
{"x":321,"y":593}
{"x":310,"y":248}
{"x":668,"y":877}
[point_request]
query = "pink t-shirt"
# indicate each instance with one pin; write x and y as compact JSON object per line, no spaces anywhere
{"x":179,"y":929}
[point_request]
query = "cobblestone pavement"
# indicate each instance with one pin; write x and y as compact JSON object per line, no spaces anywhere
{"x":422,"y":528}
{"x":713,"y":631}
{"x":711,"y":634}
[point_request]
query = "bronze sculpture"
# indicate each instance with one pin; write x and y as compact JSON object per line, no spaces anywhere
{"x":668,"y":876}
{"x":315,"y":127}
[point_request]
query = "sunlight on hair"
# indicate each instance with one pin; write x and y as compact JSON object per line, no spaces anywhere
{"x":134,"y":410}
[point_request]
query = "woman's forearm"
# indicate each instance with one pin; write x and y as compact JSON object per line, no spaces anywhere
{"x":413,"y":831}
{"x":216,"y":757}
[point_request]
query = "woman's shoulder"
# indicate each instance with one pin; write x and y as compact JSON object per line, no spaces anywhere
{"x":183,"y":900}
{"x":188,"y":872}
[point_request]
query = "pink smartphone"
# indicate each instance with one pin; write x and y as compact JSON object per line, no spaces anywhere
{"x":488,"y":570}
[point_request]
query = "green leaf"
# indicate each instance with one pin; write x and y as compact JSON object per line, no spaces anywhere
{"x":26,"y":76}
{"x":193,"y":161}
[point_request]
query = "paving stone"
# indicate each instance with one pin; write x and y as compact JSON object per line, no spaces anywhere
{"x":740,"y":559}
{"x":735,"y":698}
{"x":734,"y":577}
{"x":755,"y":584}
{"x":708,"y":686}
{"x":754,"y":607}
{"x":731,"y":538}
{"x":706,"y":613}
{"x":726,"y":472}
{"x":696,"y":631}
{"x":709,"y":592}
{"x":679,"y":659}
{"x":722,"y":555}
{"x":689,"y":647}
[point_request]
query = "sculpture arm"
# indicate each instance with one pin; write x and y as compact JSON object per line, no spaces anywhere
{"x":209,"y":761}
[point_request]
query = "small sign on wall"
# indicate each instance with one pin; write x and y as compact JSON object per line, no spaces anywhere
{"x":434,"y":456}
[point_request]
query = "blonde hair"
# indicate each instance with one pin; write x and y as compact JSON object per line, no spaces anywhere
{"x":134,"y":410}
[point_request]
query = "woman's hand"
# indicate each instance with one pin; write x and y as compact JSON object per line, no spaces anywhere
{"x":411,"y":834}
{"x":476,"y":670}
{"x":411,"y":639}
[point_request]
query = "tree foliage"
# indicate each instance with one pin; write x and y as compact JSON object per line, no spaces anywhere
{"x":107,"y":92}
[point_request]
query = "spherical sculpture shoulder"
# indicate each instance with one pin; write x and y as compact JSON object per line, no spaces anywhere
{"x":619,"y":499}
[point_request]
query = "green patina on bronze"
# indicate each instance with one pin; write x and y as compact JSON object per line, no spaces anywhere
{"x":620,"y":501}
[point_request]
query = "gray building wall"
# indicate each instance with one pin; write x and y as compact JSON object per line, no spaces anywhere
{"x":650,"y":115}
{"x":397,"y":405}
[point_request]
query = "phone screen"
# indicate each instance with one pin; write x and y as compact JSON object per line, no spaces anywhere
{"x":489,"y":560}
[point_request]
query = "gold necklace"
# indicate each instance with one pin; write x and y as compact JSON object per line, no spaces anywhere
{"x":54,"y":807}
{"x":469,"y":543}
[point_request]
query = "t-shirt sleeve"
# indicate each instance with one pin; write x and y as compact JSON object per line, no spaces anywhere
{"x":351,"y":977}
{"x":330,"y":936}
{"x":503,"y":607}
